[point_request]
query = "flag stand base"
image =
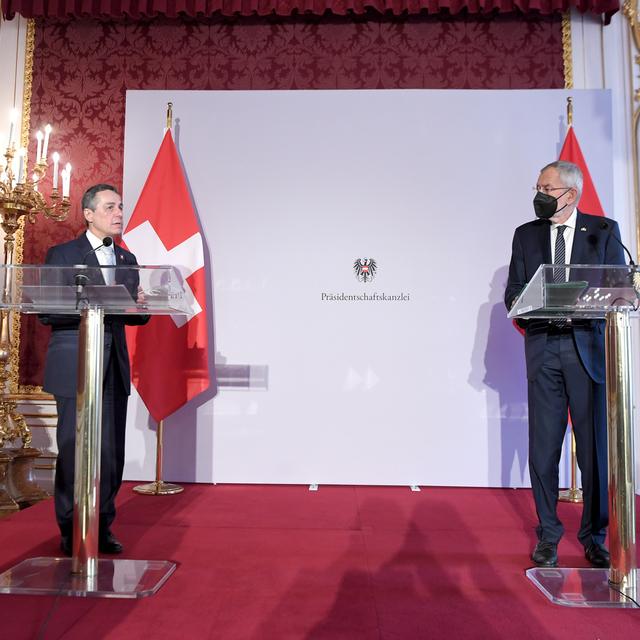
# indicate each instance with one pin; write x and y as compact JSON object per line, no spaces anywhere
{"x":158,"y":488}
{"x":570,"y":495}
{"x":573,"y":493}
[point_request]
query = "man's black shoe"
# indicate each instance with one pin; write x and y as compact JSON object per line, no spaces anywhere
{"x":66,"y":545}
{"x":545,"y":554}
{"x":108,"y":543}
{"x":597,"y":555}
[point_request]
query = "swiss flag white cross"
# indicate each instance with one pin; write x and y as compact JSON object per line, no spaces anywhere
{"x":187,"y":257}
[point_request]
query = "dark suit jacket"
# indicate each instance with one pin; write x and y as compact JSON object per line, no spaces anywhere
{"x":60,"y":374}
{"x":531,"y":248}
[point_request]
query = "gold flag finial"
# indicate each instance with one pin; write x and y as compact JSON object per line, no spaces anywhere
{"x":169,"y":115}
{"x":569,"y":111}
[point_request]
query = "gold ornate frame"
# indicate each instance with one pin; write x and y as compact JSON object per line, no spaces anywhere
{"x":567,"y":52}
{"x":14,"y":356}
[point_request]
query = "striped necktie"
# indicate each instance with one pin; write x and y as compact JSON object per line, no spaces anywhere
{"x":560,"y":275}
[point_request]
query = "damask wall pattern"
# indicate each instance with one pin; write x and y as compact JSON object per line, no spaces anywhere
{"x":83,"y":67}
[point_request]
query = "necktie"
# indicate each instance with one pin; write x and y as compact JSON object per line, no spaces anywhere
{"x":109,"y":274}
{"x":559,"y":275}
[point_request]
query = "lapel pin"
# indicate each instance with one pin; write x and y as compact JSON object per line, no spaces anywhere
{"x":583,"y":228}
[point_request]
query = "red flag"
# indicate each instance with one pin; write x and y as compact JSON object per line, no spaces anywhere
{"x":169,"y":360}
{"x":571,"y":152}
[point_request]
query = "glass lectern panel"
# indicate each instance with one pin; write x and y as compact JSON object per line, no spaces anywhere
{"x":157,"y":290}
{"x":578,"y":291}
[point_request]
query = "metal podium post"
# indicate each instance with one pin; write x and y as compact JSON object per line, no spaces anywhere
{"x":86,"y":487}
{"x":622,"y":511}
{"x":617,"y":586}
{"x":84,"y":574}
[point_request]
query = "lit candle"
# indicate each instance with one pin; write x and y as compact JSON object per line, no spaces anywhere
{"x":13,"y":118}
{"x":66,"y":181}
{"x":22,"y":169}
{"x":39,"y":151}
{"x":56,"y":160}
{"x":47,"y":131}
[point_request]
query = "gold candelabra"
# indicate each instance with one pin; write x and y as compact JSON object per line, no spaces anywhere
{"x":20,"y":200}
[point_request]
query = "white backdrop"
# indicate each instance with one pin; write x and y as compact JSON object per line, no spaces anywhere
{"x":290,"y":188}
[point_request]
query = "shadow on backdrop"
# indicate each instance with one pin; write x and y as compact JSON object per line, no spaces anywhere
{"x":498,"y":371}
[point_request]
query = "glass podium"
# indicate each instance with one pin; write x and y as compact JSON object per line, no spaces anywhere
{"x":81,"y":291}
{"x":609,"y":293}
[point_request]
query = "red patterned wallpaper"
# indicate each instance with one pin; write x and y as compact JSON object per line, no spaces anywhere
{"x":82,"y":69}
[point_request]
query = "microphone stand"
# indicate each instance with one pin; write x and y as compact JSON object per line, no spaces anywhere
{"x":80,"y":281}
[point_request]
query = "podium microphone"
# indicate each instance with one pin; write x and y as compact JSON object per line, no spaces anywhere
{"x":607,"y":227}
{"x":107,"y":241}
{"x":81,"y":279}
{"x":635,"y":278}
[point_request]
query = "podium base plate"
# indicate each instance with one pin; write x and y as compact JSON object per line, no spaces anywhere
{"x":588,"y":588}
{"x":115,"y":578}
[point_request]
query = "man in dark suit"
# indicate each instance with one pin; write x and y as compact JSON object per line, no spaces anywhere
{"x":565,"y":362}
{"x":102,"y":210}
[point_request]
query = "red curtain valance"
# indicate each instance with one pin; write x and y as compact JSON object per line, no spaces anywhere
{"x":173,"y":8}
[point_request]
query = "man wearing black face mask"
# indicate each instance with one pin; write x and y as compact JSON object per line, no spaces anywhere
{"x":565,"y":362}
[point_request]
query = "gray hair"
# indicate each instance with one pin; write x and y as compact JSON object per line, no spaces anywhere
{"x":570,"y":175}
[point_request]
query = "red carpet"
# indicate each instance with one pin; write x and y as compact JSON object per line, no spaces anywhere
{"x":279,"y":562}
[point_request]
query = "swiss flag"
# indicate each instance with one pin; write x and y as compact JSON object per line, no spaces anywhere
{"x":571,"y":152}
{"x":169,"y":360}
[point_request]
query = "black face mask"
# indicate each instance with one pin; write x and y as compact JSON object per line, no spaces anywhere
{"x":545,"y":205}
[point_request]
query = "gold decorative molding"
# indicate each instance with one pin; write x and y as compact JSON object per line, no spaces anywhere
{"x":18,"y":201}
{"x":567,"y":52}
{"x":630,"y":11}
{"x":30,"y":392}
{"x":30,"y":45}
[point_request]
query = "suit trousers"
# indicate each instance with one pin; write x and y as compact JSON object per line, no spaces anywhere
{"x":563,"y":383}
{"x":114,"y":418}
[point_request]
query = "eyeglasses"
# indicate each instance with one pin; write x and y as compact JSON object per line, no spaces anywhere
{"x":545,"y":188}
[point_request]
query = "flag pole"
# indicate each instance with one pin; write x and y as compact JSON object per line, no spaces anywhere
{"x":573,"y":493}
{"x":159,"y":487}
